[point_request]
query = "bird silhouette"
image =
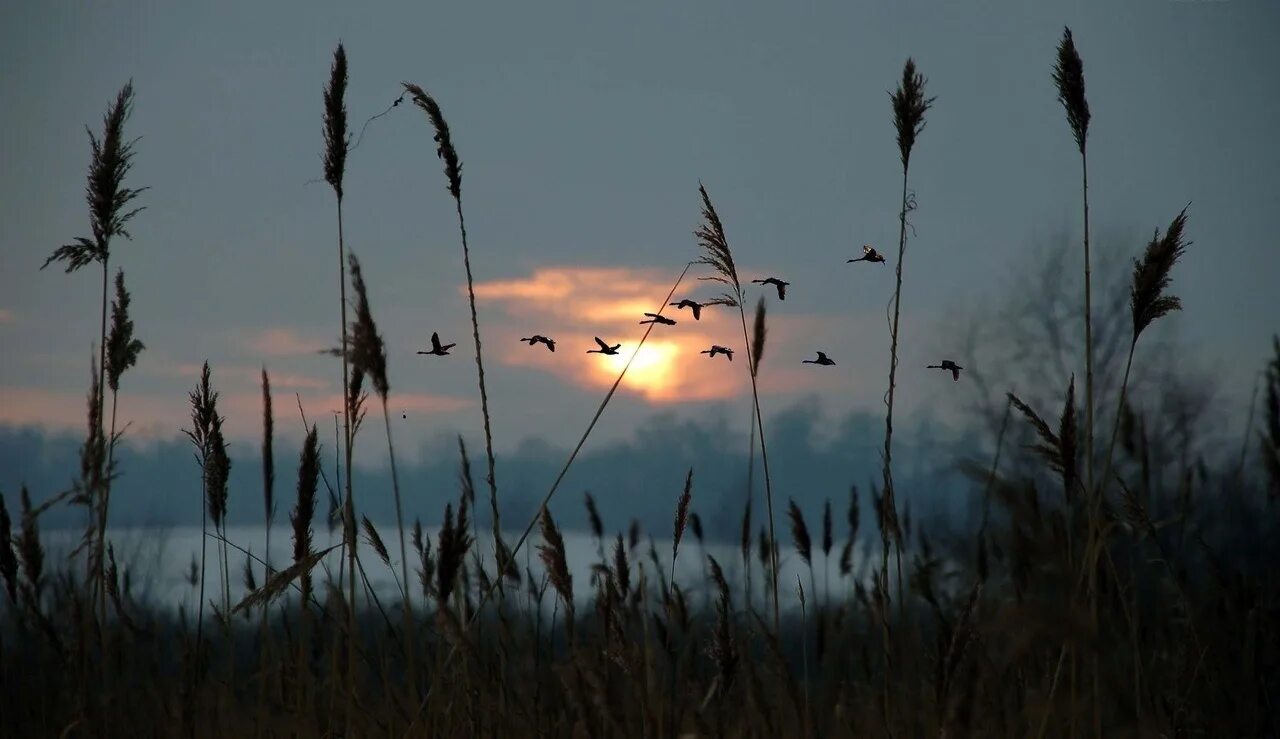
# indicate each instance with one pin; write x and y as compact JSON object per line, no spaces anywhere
{"x":949,"y":365}
{"x":540,"y":339}
{"x":655,"y":318}
{"x":782,"y":286}
{"x":604,"y":348}
{"x":717,"y":349}
{"x":436,"y":348}
{"x":695,"y":306}
{"x":822,"y":359}
{"x":869,"y":254}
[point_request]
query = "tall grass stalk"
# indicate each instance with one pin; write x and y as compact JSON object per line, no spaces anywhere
{"x":369,"y":358}
{"x":111,"y":158}
{"x":122,"y":353}
{"x":718,"y":256}
{"x":269,"y":510}
{"x":909,"y":106}
{"x":453,"y":171}
{"x":1068,"y":77}
{"x":546,"y":499}
{"x":337,"y":142}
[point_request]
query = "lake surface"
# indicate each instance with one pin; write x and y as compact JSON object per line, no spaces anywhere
{"x":160,"y":560}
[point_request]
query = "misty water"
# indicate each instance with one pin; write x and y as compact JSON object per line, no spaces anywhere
{"x":159,"y":562}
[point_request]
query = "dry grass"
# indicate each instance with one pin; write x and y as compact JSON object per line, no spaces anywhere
{"x":1143,"y":608}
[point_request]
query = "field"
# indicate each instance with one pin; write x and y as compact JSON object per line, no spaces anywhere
{"x":1111,"y":587}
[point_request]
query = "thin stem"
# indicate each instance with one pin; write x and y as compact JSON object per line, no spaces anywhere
{"x":98,"y":574}
{"x":1248,"y":427}
{"x":1115,"y":428}
{"x":1088,"y":325}
{"x":995,"y":465}
{"x":349,"y":511}
{"x":404,"y":557}
{"x":102,"y":507}
{"x":764,"y":457}
{"x":545,"y":501}
{"x":888,"y":503}
{"x":484,"y":395}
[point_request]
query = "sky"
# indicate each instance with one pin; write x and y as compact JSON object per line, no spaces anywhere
{"x":584,"y":130}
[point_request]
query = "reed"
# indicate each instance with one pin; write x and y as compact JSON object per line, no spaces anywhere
{"x":453,"y":173}
{"x":717,"y":255}
{"x":337,"y":142}
{"x":1068,"y":77}
{"x":110,"y":210}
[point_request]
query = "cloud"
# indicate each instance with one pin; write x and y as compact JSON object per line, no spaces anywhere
{"x":6,"y":316}
{"x":575,"y":304}
{"x":282,"y":342}
{"x":152,"y":417}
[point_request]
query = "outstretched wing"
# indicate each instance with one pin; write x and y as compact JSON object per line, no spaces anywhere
{"x":601,"y":343}
{"x":435,"y":341}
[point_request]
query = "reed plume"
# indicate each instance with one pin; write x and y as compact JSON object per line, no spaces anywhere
{"x":269,"y":511}
{"x":552,"y":554}
{"x":110,"y":210}
{"x":1148,"y":302}
{"x":205,"y":435}
{"x":717,"y":255}
{"x":337,"y":142}
{"x":681,"y":518}
{"x":8,"y":562}
{"x":1059,"y":449}
{"x":1068,"y":77}
{"x":268,"y":467}
{"x":305,"y":507}
{"x":1269,"y":438}
{"x":453,"y":173}
{"x":909,"y":106}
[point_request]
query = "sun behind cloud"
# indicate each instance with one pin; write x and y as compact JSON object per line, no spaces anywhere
{"x":575,"y":304}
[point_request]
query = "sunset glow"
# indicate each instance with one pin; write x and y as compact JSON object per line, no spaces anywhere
{"x":609,"y":303}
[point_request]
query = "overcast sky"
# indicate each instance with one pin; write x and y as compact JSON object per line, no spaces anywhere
{"x":584,"y":129}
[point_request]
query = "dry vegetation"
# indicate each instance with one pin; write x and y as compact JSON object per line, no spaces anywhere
{"x":1103,"y":594}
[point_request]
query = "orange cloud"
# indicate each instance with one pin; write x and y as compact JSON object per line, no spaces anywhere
{"x":252,"y":376}
{"x":282,"y":342}
{"x":153,"y":417}
{"x":574,"y":304}
{"x":6,"y":316}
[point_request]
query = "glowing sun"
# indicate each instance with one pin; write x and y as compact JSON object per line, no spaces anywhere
{"x":655,"y":371}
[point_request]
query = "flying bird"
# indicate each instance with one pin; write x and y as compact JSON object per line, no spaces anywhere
{"x":822,"y":359}
{"x":604,"y":348}
{"x":869,"y":254}
{"x":655,"y":318}
{"x":540,"y":339}
{"x":436,"y":348}
{"x":717,"y":349}
{"x":782,"y":286}
{"x":949,"y":365}
{"x":695,"y":306}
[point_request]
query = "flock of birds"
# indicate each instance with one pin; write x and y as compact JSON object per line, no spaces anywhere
{"x":869,"y":254}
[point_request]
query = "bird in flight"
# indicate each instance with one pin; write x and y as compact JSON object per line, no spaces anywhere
{"x":693,"y":305}
{"x":782,"y":286}
{"x":717,"y":349}
{"x":540,"y":339}
{"x":604,"y":348}
{"x":822,"y":359}
{"x":949,"y":365}
{"x":655,"y":318}
{"x":869,"y":254}
{"x":436,"y":348}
